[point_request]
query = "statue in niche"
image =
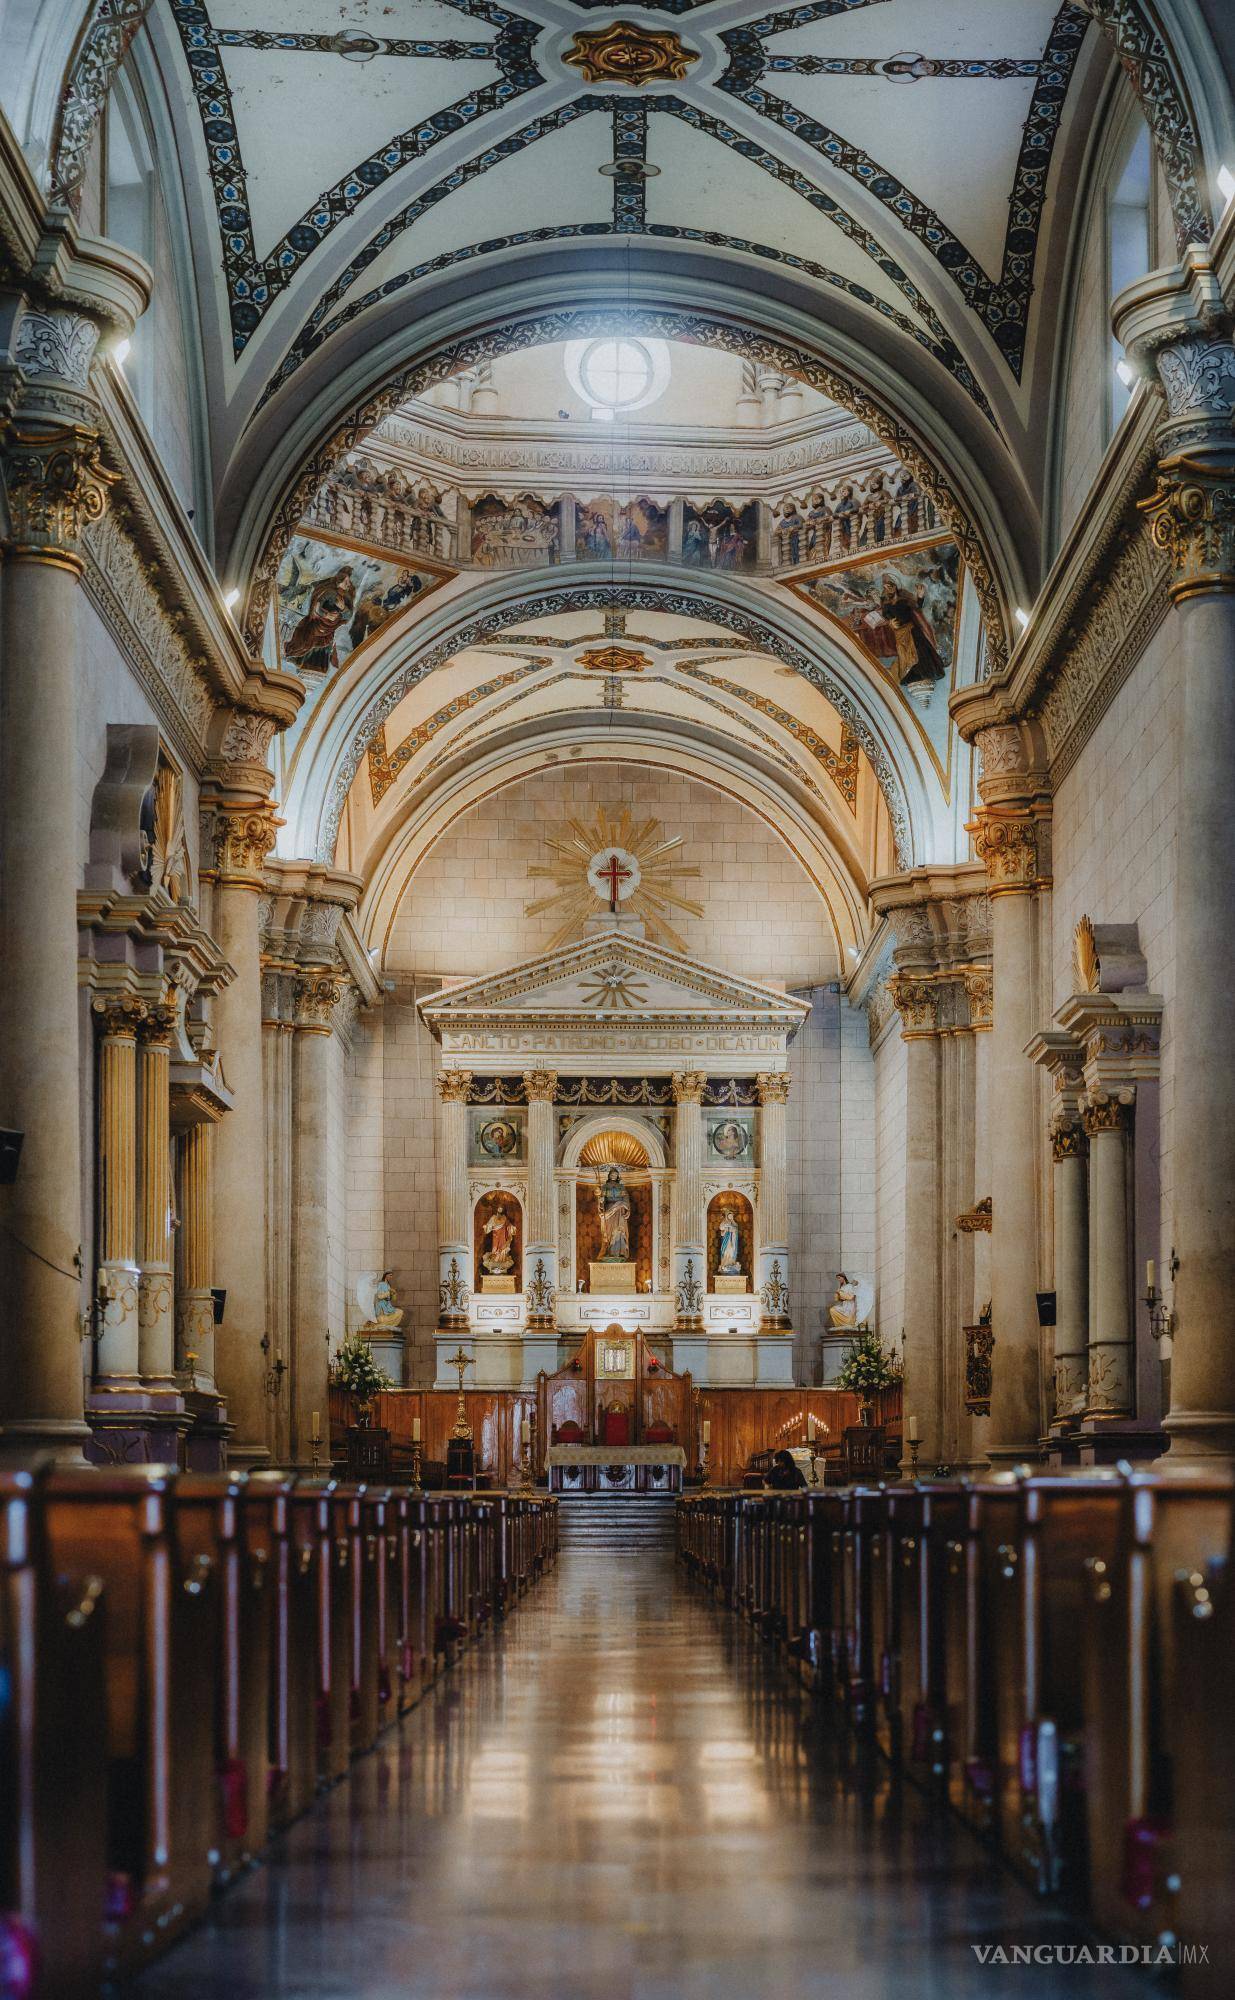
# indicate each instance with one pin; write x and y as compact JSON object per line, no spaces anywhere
{"x":727,"y":1265}
{"x":850,"y":1309}
{"x":385,"y":1308}
{"x":613,"y":1200}
{"x":498,"y":1234}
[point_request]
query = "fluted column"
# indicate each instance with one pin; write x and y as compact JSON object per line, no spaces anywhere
{"x":1009,"y":837}
{"x":916,"y":1000}
{"x":454,"y":1220}
{"x":689,"y":1227}
{"x":1069,"y":1150}
{"x":243,"y":835}
{"x":772,"y":1280}
{"x":1175,"y":323}
{"x":194,"y":1300}
{"x":316,"y":995}
{"x":55,"y":485}
{"x":119,"y":1345}
{"x":1111,"y":1373}
{"x":540,"y":1248}
{"x":155,"y":1297}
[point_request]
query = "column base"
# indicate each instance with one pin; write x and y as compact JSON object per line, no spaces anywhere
{"x":65,"y":1437}
{"x":143,"y":1426}
{"x":1004,"y":1456}
{"x":1207,"y":1435}
{"x":1115,"y":1440}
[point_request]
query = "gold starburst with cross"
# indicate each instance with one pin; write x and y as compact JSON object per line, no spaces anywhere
{"x":628,"y":865}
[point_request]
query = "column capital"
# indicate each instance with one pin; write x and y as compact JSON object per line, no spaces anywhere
{"x":540,"y":1085}
{"x":315,"y":998}
{"x":773,"y":1086}
{"x":1105,"y":1111}
{"x":56,"y":484}
{"x":453,"y":1085}
{"x":980,"y":992}
{"x":241,"y":833}
{"x":688,"y":1086}
{"x":915,"y":1002}
{"x":1009,"y":842}
{"x":1191,"y":515}
{"x":157,"y":1027}
{"x":1068,"y":1142}
{"x":119,"y":1015}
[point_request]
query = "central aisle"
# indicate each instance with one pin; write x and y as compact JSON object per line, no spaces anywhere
{"x":620,"y":1799}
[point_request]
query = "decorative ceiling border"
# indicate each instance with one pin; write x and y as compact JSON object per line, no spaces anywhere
{"x":841,"y":765}
{"x":630,"y":131}
{"x":1146,"y":62}
{"x":102,"y":46}
{"x":385,"y":765}
{"x":577,"y":322}
{"x":253,"y":282}
{"x":643,"y":597}
{"x":1001,"y":303}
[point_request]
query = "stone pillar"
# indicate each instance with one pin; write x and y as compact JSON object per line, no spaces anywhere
{"x":118,"y":1349}
{"x":1176,"y":322}
{"x":689,"y":1227}
{"x":309,"y":1361}
{"x":194,"y":1300}
{"x":243,"y":835}
{"x":916,"y":1001}
{"x":677,"y":526}
{"x":1111,"y":1373}
{"x":1009,"y":836}
{"x":155,"y":1298}
{"x":568,"y":528}
{"x":772,"y":1281}
{"x":540,"y":1245}
{"x":454,"y":1218}
{"x":1071,"y":1225}
{"x":55,"y":484}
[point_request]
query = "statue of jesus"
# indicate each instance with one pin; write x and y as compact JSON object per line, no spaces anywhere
{"x":613,"y":1200}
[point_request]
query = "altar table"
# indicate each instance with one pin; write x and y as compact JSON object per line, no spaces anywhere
{"x":615,"y":1468}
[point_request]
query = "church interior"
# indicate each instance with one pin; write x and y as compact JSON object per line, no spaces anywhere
{"x":617,"y":1166}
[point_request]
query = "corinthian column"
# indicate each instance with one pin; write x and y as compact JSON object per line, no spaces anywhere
{"x":454,"y":1221}
{"x":1009,"y":836}
{"x":540,"y":1249}
{"x":156,"y":1337}
{"x":689,"y":1232}
{"x":917,"y":1001}
{"x":119,"y":1348}
{"x":1111,"y":1391}
{"x":773,"y":1276}
{"x":316,"y":995}
{"x":1068,"y":1152}
{"x":1175,"y":322}
{"x":194,"y":1300}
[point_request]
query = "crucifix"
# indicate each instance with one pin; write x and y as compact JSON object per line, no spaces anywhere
{"x":614,"y":872}
{"x":462,"y":1362}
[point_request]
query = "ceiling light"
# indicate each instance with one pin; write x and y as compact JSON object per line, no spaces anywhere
{"x":853,"y":951}
{"x":232,"y":597}
{"x":1226,"y":184}
{"x":121,"y":352}
{"x":1126,"y":374}
{"x":1021,"y":616}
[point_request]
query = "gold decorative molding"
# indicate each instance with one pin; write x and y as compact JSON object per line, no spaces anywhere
{"x":1191,"y":515}
{"x":915,"y":1001}
{"x":614,"y":660}
{"x":119,"y":1015}
{"x":773,"y":1086}
{"x":242,"y":837}
{"x":976,"y":1221}
{"x":1008,"y":846}
{"x":1086,"y":965}
{"x":540,"y":1085}
{"x":980,"y":991}
{"x":453,"y":1085}
{"x":626,"y":53}
{"x":56,"y":485}
{"x":1107,"y":1112}
{"x":1068,"y":1143}
{"x":688,"y":1086}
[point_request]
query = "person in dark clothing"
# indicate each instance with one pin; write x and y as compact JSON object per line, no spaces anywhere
{"x":784,"y":1475}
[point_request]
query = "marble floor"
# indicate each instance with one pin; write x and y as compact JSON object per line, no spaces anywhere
{"x":621,"y":1799}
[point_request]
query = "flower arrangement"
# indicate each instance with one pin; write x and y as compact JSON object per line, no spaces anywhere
{"x":355,"y":1370}
{"x":869,"y":1366}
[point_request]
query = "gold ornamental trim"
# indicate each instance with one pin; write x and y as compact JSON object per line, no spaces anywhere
{"x":626,"y":53}
{"x":56,"y":485}
{"x":614,"y":660}
{"x":1191,"y":517}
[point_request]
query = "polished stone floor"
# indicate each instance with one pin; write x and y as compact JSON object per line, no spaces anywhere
{"x":621,"y":1799}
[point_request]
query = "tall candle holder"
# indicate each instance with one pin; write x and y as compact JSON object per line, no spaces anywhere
{"x":416,"y":1463}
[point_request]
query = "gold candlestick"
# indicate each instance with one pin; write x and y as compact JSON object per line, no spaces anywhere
{"x":416,"y":1463}
{"x":461,"y":1362}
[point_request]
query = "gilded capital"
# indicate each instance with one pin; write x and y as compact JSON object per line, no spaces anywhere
{"x":1191,"y":515}
{"x":119,"y":1015}
{"x":242,"y":836}
{"x":980,"y":992}
{"x":56,"y":484}
{"x":915,"y":1001}
{"x":1068,"y":1143}
{"x":314,"y":1000}
{"x":688,"y":1086}
{"x":1008,"y":846}
{"x":157,"y":1027}
{"x":540,"y":1085}
{"x":1104,"y":1111}
{"x":453,"y":1085}
{"x":773,"y":1086}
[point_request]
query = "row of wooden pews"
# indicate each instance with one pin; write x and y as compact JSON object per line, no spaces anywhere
{"x":1054,"y":1653}
{"x":186,"y":1659}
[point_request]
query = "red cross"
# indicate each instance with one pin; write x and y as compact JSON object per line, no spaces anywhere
{"x":613,"y":872}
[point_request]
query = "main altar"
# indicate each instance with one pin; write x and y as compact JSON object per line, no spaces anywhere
{"x":611,"y":1151}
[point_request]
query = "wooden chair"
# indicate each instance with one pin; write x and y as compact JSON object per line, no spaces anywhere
{"x":863,"y":1452}
{"x":368,"y":1452}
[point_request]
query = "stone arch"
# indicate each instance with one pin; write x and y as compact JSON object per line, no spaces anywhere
{"x":610,"y":1119}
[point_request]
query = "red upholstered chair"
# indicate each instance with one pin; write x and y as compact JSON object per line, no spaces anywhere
{"x":660,"y":1433}
{"x":615,"y":1427}
{"x":568,"y":1433}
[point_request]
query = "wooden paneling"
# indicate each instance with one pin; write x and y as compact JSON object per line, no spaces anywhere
{"x":495,"y":1416}
{"x":745,"y":1421}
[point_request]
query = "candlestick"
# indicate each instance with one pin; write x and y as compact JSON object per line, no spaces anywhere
{"x":315,"y":1427}
{"x":1149,"y":1275}
{"x":415,"y":1430}
{"x":913,"y":1430}
{"x":707,"y":1430}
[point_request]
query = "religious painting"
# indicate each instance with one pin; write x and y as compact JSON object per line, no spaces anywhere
{"x":497,"y":1134}
{"x":498,"y":1241}
{"x":721,"y":536}
{"x":614,"y":1358}
{"x":603,"y":1227}
{"x":901,"y":609}
{"x":641,"y":529}
{"x":514,"y":534}
{"x":332,"y":597}
{"x":729,"y":1135}
{"x":731,"y":1242}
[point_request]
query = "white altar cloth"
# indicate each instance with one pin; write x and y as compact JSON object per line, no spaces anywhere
{"x":616,"y":1454}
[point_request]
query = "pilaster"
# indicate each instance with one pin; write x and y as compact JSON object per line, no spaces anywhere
{"x":540,"y":1244}
{"x":455,"y":1249}
{"x":689,"y":1231}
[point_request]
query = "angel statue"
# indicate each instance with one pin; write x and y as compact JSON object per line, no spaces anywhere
{"x":613,"y":1200}
{"x":851,"y":1306}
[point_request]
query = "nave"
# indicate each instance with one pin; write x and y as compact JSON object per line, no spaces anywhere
{"x":620,"y":1796}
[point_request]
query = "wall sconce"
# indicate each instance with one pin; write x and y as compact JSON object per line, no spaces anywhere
{"x":1161,"y":1316}
{"x":274,"y":1374}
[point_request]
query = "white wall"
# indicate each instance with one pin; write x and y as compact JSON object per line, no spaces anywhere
{"x":890,"y":1079}
{"x":831,"y":1144}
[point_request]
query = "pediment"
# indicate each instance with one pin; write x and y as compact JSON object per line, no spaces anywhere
{"x":629,"y":985}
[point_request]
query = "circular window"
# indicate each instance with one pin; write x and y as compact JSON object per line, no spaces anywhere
{"x":617,"y":374}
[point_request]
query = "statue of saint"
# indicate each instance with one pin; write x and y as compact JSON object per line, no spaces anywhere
{"x":728,"y":1265}
{"x":498,"y":1234}
{"x":613,"y":1199}
{"x":843,"y":1311}
{"x":385,"y":1307}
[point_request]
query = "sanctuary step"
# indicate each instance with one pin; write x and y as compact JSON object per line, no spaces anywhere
{"x":617,"y":1520}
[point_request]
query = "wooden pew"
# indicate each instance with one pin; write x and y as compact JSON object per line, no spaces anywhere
{"x":321,"y":1509}
{"x":53,"y":1753}
{"x":287,"y":1533}
{"x":930,"y":1520}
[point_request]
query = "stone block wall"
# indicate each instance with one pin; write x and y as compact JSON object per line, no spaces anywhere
{"x":831,"y":1144}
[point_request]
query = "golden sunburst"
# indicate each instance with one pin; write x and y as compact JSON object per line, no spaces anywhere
{"x":613,"y":1149}
{"x":618,"y":861}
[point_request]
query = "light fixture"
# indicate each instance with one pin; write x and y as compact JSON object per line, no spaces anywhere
{"x":1226,"y":184}
{"x":121,"y":352}
{"x":231,"y":598}
{"x":1126,"y":374}
{"x":1021,"y":616}
{"x":853,"y":951}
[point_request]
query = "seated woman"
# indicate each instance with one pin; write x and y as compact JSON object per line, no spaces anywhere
{"x":783,"y":1474}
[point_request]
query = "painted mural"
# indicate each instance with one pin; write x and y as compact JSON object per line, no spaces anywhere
{"x":641,"y":529}
{"x":901,"y":609}
{"x":514,"y":534}
{"x":332,"y":597}
{"x":722,"y":535}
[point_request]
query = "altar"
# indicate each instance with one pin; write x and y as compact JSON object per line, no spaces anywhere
{"x":631,"y":1468}
{"x":611,"y":1147}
